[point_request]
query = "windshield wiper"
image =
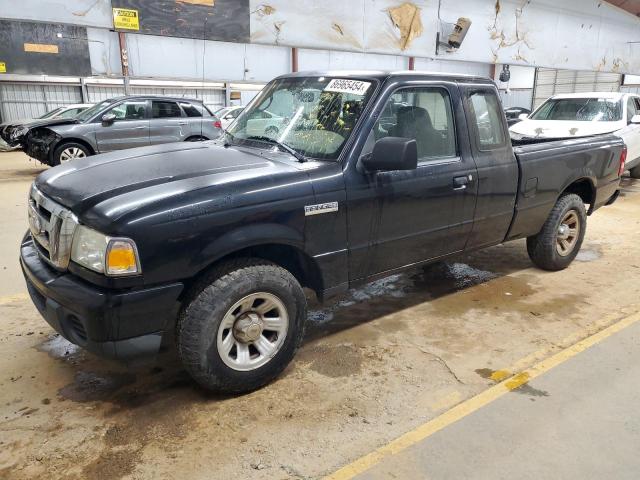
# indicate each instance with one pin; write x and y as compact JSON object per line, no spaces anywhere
{"x":301,"y":158}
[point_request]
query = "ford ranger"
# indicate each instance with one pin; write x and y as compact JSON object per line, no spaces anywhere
{"x":207,"y":247}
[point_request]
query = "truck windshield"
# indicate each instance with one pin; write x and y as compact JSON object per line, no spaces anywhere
{"x":580,"y":109}
{"x":311,"y":115}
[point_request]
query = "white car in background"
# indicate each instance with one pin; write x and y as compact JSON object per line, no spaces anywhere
{"x":583,"y":114}
{"x":263,"y":122}
{"x":228,"y":115}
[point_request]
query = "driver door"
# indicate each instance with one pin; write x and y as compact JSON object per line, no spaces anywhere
{"x":399,"y":218}
{"x":129,"y":129}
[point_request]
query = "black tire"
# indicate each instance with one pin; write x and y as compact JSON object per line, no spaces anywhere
{"x":209,"y":301}
{"x":197,"y":138}
{"x":635,"y":172}
{"x":543,"y":247}
{"x":60,"y":149}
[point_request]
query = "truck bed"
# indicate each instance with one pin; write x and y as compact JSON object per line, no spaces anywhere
{"x":549,"y":166}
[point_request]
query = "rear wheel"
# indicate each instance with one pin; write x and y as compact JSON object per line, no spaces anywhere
{"x":241,"y":326}
{"x":560,"y":239}
{"x":635,"y":172}
{"x":69,"y":151}
{"x":197,"y":138}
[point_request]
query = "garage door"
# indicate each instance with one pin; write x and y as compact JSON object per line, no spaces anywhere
{"x":30,"y":100}
{"x":550,"y":82}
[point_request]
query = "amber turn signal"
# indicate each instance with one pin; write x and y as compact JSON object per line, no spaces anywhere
{"x":122,"y":258}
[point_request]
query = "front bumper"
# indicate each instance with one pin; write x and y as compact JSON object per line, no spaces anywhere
{"x":116,"y":324}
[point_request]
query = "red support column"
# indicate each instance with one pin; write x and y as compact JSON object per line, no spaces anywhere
{"x":412,"y":62}
{"x":294,"y":59}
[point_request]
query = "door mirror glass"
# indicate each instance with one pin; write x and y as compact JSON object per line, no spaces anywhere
{"x":108,"y":118}
{"x":392,"y":153}
{"x":523,"y":116}
{"x":635,"y":119}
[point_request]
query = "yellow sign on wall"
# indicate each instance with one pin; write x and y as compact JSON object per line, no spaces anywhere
{"x":126,"y":19}
{"x":3,"y":67}
{"x":40,"y":48}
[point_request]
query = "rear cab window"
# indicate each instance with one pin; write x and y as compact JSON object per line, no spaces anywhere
{"x":487,"y":120}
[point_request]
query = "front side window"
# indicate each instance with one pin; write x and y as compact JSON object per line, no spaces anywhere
{"x":580,"y":109}
{"x":313,"y":115}
{"x":131,"y":110}
{"x":422,"y":114}
{"x":487,"y":116}
{"x":162,"y":109}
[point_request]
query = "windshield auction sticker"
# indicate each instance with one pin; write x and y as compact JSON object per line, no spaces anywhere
{"x":343,"y":85}
{"x":126,"y":19}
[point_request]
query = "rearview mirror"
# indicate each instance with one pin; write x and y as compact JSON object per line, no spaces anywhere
{"x":523,"y":116}
{"x":392,"y":153}
{"x":108,"y":117}
{"x":635,"y":119}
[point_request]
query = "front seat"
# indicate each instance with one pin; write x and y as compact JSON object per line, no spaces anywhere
{"x":415,"y":122}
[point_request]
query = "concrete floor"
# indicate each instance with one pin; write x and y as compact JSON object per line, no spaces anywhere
{"x":376,"y":363}
{"x":578,"y":421}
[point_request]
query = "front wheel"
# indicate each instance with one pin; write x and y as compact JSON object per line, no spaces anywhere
{"x":560,"y":239}
{"x":241,"y":326}
{"x":69,"y":151}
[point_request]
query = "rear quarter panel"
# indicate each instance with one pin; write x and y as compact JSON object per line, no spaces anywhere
{"x":548,"y":169}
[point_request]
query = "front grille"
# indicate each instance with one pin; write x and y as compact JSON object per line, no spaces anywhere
{"x":52,"y":228}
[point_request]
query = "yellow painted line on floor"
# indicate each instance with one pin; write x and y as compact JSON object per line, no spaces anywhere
{"x":475,"y":403}
{"x":13,"y":298}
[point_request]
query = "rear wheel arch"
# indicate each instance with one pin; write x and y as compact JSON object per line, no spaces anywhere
{"x":583,"y":187}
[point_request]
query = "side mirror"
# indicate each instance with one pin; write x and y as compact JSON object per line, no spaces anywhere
{"x":523,"y":116}
{"x":228,"y":117}
{"x":635,"y":119}
{"x":392,"y":153}
{"x":108,"y":118}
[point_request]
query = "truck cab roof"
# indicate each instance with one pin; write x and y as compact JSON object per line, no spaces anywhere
{"x":385,"y":74}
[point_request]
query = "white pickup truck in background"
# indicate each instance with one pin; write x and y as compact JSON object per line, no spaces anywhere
{"x":584,"y":114}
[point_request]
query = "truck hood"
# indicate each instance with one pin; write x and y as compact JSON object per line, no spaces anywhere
{"x":561,"y":128}
{"x":129,"y":179}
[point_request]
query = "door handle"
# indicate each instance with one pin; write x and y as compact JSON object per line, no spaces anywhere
{"x":182,"y":123}
{"x":139,"y":128}
{"x":460,"y":183}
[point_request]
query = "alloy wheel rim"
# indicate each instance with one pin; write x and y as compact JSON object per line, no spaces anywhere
{"x":71,"y":153}
{"x":568,"y":233}
{"x":252,"y":331}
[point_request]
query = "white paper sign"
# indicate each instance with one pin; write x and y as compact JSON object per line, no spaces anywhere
{"x":344,"y":85}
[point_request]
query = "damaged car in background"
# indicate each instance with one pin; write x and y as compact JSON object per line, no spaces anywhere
{"x":585,"y":114}
{"x":119,"y":123}
{"x":14,"y":132}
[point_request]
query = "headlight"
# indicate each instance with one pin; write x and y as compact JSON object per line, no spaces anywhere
{"x":104,"y":254}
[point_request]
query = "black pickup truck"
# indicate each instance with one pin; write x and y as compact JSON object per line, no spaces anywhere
{"x":326,"y":181}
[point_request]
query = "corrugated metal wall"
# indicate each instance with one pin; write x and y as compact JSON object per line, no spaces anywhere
{"x":20,"y":100}
{"x":29,"y":100}
{"x":550,"y":82}
{"x":517,"y":98}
